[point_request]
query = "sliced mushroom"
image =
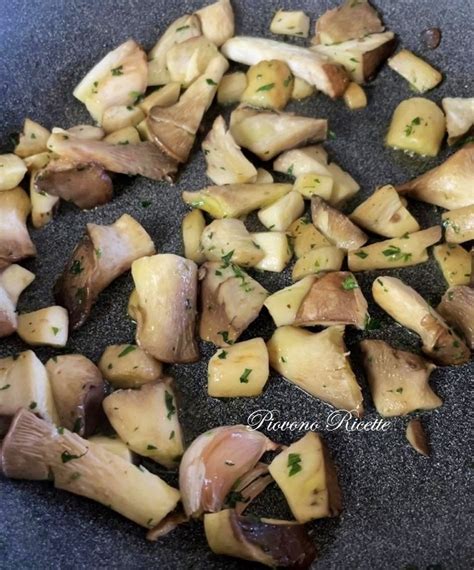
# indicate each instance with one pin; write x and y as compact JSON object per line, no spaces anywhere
{"x":13,"y":171}
{"x":455,"y":263}
{"x":230,"y":301}
{"x":118,"y":79}
{"x":416,"y":437}
{"x":361,"y":58}
{"x":188,"y":60}
{"x":317,"y":363}
{"x":35,"y":449}
{"x":24,"y":383}
{"x":334,"y":299}
{"x":305,"y":473}
{"x":354,"y":19}
{"x":228,"y":239}
{"x":335,"y":226}
{"x":102,"y":254}
{"x":115,"y":445}
{"x":48,"y":326}
{"x":128,"y":366}
{"x":166,"y":291}
{"x":448,"y":185}
{"x":248,"y":487}
{"x":271,"y":542}
{"x":235,"y":200}
{"x":173,"y":129}
{"x":192,"y":226}
{"x":409,"y":309}
{"x":459,"y":224}
{"x":15,"y":241}
{"x":86,"y":185}
{"x":214,"y":462}
{"x":43,"y":206}
{"x":398,"y":379}
{"x":78,"y":391}
{"x":316,"y":69}
{"x":457,"y":307}
{"x":143,"y":158}
{"x":86,"y":132}
{"x":385,"y":214}
{"x":268,"y":133}
{"x":226,"y":164}
{"x":459,"y":117}
{"x":217,"y":21}
{"x":32,"y":140}
{"x":13,"y":281}
{"x":420,"y":75}
{"x":147,"y":420}
{"x":283,"y":305}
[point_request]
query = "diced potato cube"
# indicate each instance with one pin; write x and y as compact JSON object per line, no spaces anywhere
{"x":239,"y":370}
{"x":302,"y":89}
{"x":418,"y":125}
{"x":192,"y":227}
{"x":33,"y":139}
{"x":12,"y":171}
{"x":276,"y":249}
{"x":127,"y":135}
{"x":306,"y":237}
{"x":455,"y":263}
{"x":295,"y":23}
{"x":283,"y":305}
{"x":231,"y":88}
{"x":355,"y":97}
{"x":282,"y":213}
{"x":419,"y":74}
{"x":309,"y":185}
{"x":128,"y":366}
{"x":47,"y":326}
{"x":317,"y":261}
{"x":270,"y":84}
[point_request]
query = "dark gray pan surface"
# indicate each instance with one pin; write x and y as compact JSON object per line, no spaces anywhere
{"x":401,"y":510}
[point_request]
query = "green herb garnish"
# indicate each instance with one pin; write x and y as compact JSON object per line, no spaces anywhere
{"x":244,"y":379}
{"x":127,"y":350}
{"x":294,"y":464}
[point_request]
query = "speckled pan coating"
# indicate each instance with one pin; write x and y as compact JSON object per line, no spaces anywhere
{"x":400,"y":509}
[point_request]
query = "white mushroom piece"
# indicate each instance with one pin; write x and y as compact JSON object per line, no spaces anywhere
{"x":37,"y":450}
{"x":13,"y":281}
{"x":102,"y":254}
{"x":459,"y":117}
{"x":15,"y":241}
{"x":409,"y":309}
{"x":457,"y":307}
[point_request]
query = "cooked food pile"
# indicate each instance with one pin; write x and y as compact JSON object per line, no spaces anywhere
{"x":79,"y":423}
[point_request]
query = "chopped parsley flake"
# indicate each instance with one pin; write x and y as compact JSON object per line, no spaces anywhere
{"x":267,"y":87}
{"x":169,"y":402}
{"x":244,"y":379}
{"x":411,"y":126}
{"x":66,"y":456}
{"x":222,"y":354}
{"x":127,"y":350}
{"x":294,"y":464}
{"x":116,"y":71}
{"x":362,"y":254}
{"x":349,"y":283}
{"x":210,"y":81}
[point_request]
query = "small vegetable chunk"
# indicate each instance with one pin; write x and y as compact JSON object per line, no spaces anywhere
{"x":33,"y":139}
{"x":127,"y":135}
{"x":231,"y":87}
{"x":457,"y":307}
{"x":163,"y":97}
{"x":459,"y":117}
{"x":78,"y":390}
{"x":459,"y":224}
{"x":269,"y":85}
{"x":295,"y":23}
{"x":121,"y":116}
{"x":398,"y":379}
{"x":305,"y":236}
{"x":301,"y":89}
{"x":192,"y":226}
{"x":47,"y":326}
{"x":416,"y":437}
{"x":186,"y":61}
{"x":226,"y":164}
{"x":355,"y":97}
{"x":407,"y":250}
{"x":312,"y":184}
{"x":282,"y":213}
{"x":113,"y":444}
{"x":147,"y":420}
{"x":317,"y":363}
{"x":24,"y":383}
{"x":12,"y":171}
{"x":385,"y":214}
{"x":276,"y":249}
{"x":283,"y":305}
{"x":217,"y":21}
{"x":13,"y":281}
{"x":318,"y":261}
{"x":418,"y":126}
{"x":455,"y":263}
{"x":128,"y":366}
{"x":238,"y":370}
{"x":419,"y":74}
{"x":305,"y":473}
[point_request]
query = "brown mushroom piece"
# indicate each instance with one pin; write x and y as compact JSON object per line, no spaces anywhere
{"x":316,"y":69}
{"x":102,"y":254}
{"x":37,"y":450}
{"x":448,"y":185}
{"x":335,"y":226}
{"x":334,"y":299}
{"x":78,"y":390}
{"x":15,"y":241}
{"x":86,"y":185}
{"x":166,"y":296}
{"x":13,"y":281}
{"x":230,"y":301}
{"x":143,"y":158}
{"x":354,"y":19}
{"x":271,"y":542}
{"x":214,"y":462}
{"x":416,"y":437}
{"x":398,"y":379}
{"x":173,"y":129}
{"x":457,"y":307}
{"x":409,"y":309}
